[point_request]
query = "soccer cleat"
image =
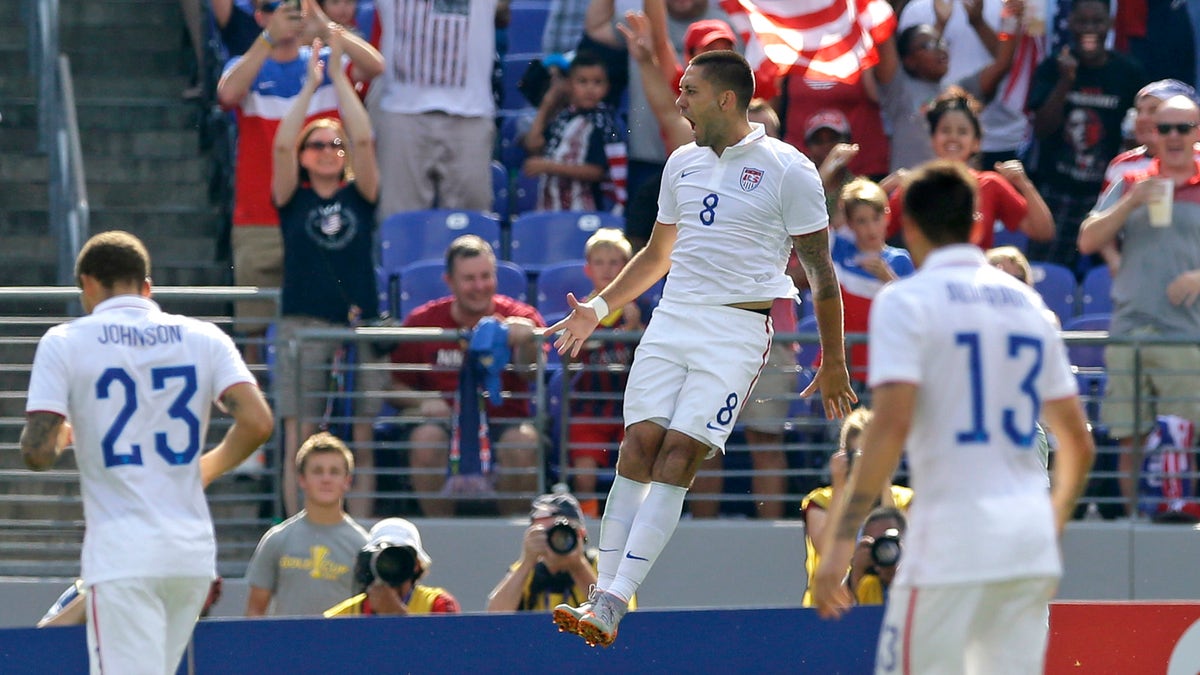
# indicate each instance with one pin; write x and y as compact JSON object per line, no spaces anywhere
{"x":599,"y":626}
{"x":567,"y":617}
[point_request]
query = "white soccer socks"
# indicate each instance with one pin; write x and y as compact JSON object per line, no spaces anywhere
{"x":648,"y":536}
{"x":624,"y":501}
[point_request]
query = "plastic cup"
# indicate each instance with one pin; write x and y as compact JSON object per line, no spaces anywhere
{"x":1160,"y":203}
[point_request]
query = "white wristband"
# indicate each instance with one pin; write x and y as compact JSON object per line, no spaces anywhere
{"x":600,"y":306}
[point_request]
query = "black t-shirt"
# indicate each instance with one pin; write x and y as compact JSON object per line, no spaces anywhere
{"x":1073,"y":158}
{"x":327,"y":255}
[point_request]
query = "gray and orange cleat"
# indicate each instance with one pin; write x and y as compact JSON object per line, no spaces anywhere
{"x":599,"y":626}
{"x":567,"y":617}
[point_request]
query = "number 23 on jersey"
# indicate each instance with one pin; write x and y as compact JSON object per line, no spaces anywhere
{"x":116,"y":382}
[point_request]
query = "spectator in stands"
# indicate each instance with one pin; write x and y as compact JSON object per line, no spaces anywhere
{"x":872,"y":568}
{"x":1141,"y":156}
{"x":555,"y":566}
{"x":864,"y":261}
{"x":1006,"y":194}
{"x":972,"y":36}
{"x":305,"y":564}
{"x":325,"y":184}
{"x":647,"y":152}
{"x":574,"y":144}
{"x":345,"y":14}
{"x":393,"y":588}
{"x":1078,"y":98}
{"x":827,"y":137}
{"x":597,"y":388}
{"x":430,"y":391}
{"x":816,"y":505}
{"x":912,"y":70}
{"x":435,"y":116}
{"x":259,"y":86}
{"x":1156,"y":286}
{"x":193,"y":21}
{"x":237,"y":24}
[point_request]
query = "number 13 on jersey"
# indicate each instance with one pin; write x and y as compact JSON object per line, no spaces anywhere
{"x":1023,"y":354}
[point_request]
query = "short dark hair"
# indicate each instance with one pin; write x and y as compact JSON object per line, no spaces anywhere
{"x":728,"y":70}
{"x":887,"y":513}
{"x":112,"y":257}
{"x":904,"y":42}
{"x":467,"y":246}
{"x":585,"y":58}
{"x":940,"y":198}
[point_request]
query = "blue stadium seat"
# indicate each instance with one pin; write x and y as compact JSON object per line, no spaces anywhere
{"x":513,"y":67}
{"x":422,"y":281}
{"x":526,"y":27}
{"x":555,"y":281}
{"x":1087,"y":356}
{"x":1004,"y":237}
{"x":383,"y":288}
{"x":500,"y":191}
{"x":1095,"y":293}
{"x":1056,"y":284}
{"x":525,"y":194}
{"x":513,"y":124}
{"x":410,"y":236}
{"x":544,"y":238}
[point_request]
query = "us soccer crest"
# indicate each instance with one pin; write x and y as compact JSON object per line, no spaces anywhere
{"x":751,"y":178}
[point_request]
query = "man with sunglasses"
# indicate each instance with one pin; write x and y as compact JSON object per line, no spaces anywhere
{"x":1155,"y":288}
{"x":259,"y":87}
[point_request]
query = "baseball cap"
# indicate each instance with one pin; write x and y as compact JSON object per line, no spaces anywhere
{"x":400,"y":532}
{"x":827,"y":119}
{"x":702,"y":33}
{"x":1165,"y":89}
{"x":556,"y":504}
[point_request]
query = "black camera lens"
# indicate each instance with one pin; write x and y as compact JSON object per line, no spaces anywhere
{"x":886,"y":549}
{"x":393,"y":565}
{"x":561,"y":537}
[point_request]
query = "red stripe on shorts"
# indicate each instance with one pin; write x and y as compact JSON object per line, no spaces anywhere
{"x":95,"y":627}
{"x":763,"y":364}
{"x":906,"y":641}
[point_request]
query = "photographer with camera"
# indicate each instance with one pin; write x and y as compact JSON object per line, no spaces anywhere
{"x":877,"y":555}
{"x":387,"y":570}
{"x":815,"y":506}
{"x":555,"y":565}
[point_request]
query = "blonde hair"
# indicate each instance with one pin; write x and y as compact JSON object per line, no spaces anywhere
{"x":608,"y":236}
{"x":1013,"y":255}
{"x":855,"y":423}
{"x":336,"y":126}
{"x":760,"y":106}
{"x":862,"y":192}
{"x":323,"y":442}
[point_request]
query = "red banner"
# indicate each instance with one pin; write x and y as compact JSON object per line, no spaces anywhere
{"x":1124,"y":637}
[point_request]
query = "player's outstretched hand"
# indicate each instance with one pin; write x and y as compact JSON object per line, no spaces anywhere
{"x":829,"y":593}
{"x":576,"y":327}
{"x":837,"y":395}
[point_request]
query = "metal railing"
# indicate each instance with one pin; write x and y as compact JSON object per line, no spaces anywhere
{"x":58,"y":135}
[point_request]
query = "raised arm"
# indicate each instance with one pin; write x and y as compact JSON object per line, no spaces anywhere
{"x":639,"y":35}
{"x":1101,"y":227}
{"x":366,"y":61}
{"x":598,"y":22}
{"x":252,"y":426}
{"x":285,"y":168}
{"x":355,"y":121}
{"x":832,"y":378}
{"x":1049,"y":115}
{"x":1038,"y":222}
{"x":285,"y":23}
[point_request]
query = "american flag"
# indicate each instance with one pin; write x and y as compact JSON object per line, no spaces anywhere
{"x":832,"y":40}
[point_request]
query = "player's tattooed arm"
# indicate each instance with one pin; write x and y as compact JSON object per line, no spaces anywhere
{"x":857,"y":509}
{"x":43,"y":439}
{"x":813,"y":252}
{"x":230,"y":403}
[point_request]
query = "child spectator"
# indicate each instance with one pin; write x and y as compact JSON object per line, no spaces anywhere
{"x":864,"y":262}
{"x":578,"y":155}
{"x":606,"y":254}
{"x":306,"y":563}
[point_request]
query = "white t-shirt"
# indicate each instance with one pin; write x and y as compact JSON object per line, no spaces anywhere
{"x":735,"y":216}
{"x":437,"y":56}
{"x":984,"y":357}
{"x":137,"y":385}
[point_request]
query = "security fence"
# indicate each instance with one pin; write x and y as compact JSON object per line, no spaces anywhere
{"x":571,"y":408}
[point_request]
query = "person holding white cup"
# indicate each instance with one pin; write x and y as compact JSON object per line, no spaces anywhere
{"x":1154,"y":214}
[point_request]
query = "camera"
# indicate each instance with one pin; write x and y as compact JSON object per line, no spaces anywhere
{"x":885,"y":551}
{"x":562,"y":537}
{"x":393,"y":565}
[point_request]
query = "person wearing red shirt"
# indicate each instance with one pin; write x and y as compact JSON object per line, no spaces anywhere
{"x":429,"y":392}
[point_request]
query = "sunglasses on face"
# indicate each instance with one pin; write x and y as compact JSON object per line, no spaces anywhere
{"x":321,"y":146}
{"x":1182,"y":128}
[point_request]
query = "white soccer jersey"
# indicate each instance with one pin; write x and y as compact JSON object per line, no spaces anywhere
{"x":984,"y":356}
{"x":735,"y":216}
{"x":137,"y":385}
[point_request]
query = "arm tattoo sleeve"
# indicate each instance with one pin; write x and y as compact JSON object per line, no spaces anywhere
{"x":813,"y":252}
{"x":39,"y":439}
